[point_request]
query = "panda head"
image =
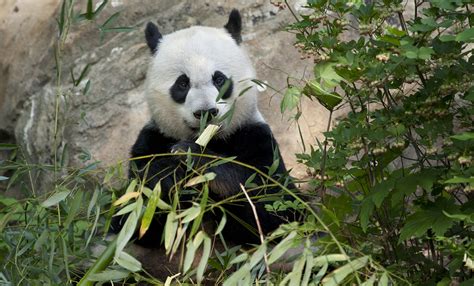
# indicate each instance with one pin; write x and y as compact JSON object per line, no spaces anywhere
{"x":187,"y":71}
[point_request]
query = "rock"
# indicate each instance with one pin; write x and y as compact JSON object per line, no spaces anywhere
{"x":108,"y":118}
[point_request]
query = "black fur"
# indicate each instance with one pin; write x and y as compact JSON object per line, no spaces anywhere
{"x":180,"y":89}
{"x":234,"y":25}
{"x":251,"y":144}
{"x":219,"y":79}
{"x":152,"y":36}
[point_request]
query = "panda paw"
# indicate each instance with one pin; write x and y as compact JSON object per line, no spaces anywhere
{"x":184,"y":146}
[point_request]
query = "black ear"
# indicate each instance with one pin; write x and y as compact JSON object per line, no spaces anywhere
{"x":152,"y":36}
{"x":234,"y":25}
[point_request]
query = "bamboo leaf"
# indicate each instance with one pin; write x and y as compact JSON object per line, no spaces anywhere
{"x":282,"y":247}
{"x":125,"y":210}
{"x":125,"y":198}
{"x":56,"y":198}
{"x":257,"y":256}
{"x":109,"y":275}
{"x":206,"y":252}
{"x":74,"y":208}
{"x":191,"y":213}
{"x":150,"y":209}
{"x":128,"y":262}
{"x":330,"y":258}
{"x":189,"y":257}
{"x":171,"y":227}
{"x":337,"y":276}
{"x":201,"y":179}
{"x":89,"y":10}
{"x":126,"y":232}
{"x":222,"y":223}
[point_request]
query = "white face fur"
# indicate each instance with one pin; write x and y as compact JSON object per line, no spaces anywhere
{"x":199,"y":53}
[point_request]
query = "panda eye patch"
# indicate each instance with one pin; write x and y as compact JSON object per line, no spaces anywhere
{"x":180,"y":88}
{"x":219,"y":79}
{"x":182,"y":82}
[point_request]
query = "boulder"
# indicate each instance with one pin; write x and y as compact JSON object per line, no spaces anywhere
{"x":105,"y":121}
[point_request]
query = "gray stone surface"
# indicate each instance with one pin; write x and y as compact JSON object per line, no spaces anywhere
{"x":107,"y":120}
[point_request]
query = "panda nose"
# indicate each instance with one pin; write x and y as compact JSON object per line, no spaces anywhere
{"x":200,"y":113}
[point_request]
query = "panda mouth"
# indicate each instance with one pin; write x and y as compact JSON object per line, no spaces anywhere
{"x":195,"y":129}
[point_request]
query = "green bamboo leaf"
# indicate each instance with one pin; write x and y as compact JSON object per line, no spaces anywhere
{"x":308,"y":271}
{"x":202,"y":205}
{"x":56,"y":198}
{"x":150,"y":209}
{"x":128,"y":262}
{"x":257,"y":256}
{"x":74,"y":208}
{"x":179,"y":236}
{"x":109,"y":275}
{"x":294,"y":277}
{"x":89,"y":10}
{"x":81,"y":76}
{"x":222,"y":223}
{"x":330,"y":258}
{"x":239,"y":277}
{"x":189,"y":214}
{"x":201,"y":179}
{"x":118,"y":29}
{"x":92,"y":202}
{"x":282,"y":247}
{"x":383,"y":280}
{"x":42,"y":239}
{"x":370,"y":281}
{"x":86,"y":87}
{"x":239,"y":258}
{"x":206,"y":252}
{"x":7,"y":147}
{"x":320,"y":274}
{"x":189,"y":257}
{"x":126,"y":232}
{"x":171,"y":226}
{"x":223,"y":89}
{"x":101,"y":7}
{"x":125,"y":210}
{"x":111,"y":19}
{"x":337,"y":276}
{"x":131,"y":186}
{"x":274,"y":167}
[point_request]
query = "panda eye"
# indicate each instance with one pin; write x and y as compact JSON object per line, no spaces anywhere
{"x":219,"y":79}
{"x":183,"y":84}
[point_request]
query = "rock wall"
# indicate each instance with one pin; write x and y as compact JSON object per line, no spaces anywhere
{"x":107,"y":120}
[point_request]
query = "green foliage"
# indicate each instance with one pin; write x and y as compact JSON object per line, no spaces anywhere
{"x":395,"y":174}
{"x":402,"y":157}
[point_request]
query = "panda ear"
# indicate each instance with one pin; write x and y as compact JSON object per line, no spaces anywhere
{"x":152,"y":36}
{"x":234,"y":25}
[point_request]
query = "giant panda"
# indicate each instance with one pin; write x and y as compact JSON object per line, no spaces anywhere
{"x":187,"y":70}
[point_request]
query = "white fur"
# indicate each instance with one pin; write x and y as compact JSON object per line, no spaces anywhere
{"x":198,"y":52}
